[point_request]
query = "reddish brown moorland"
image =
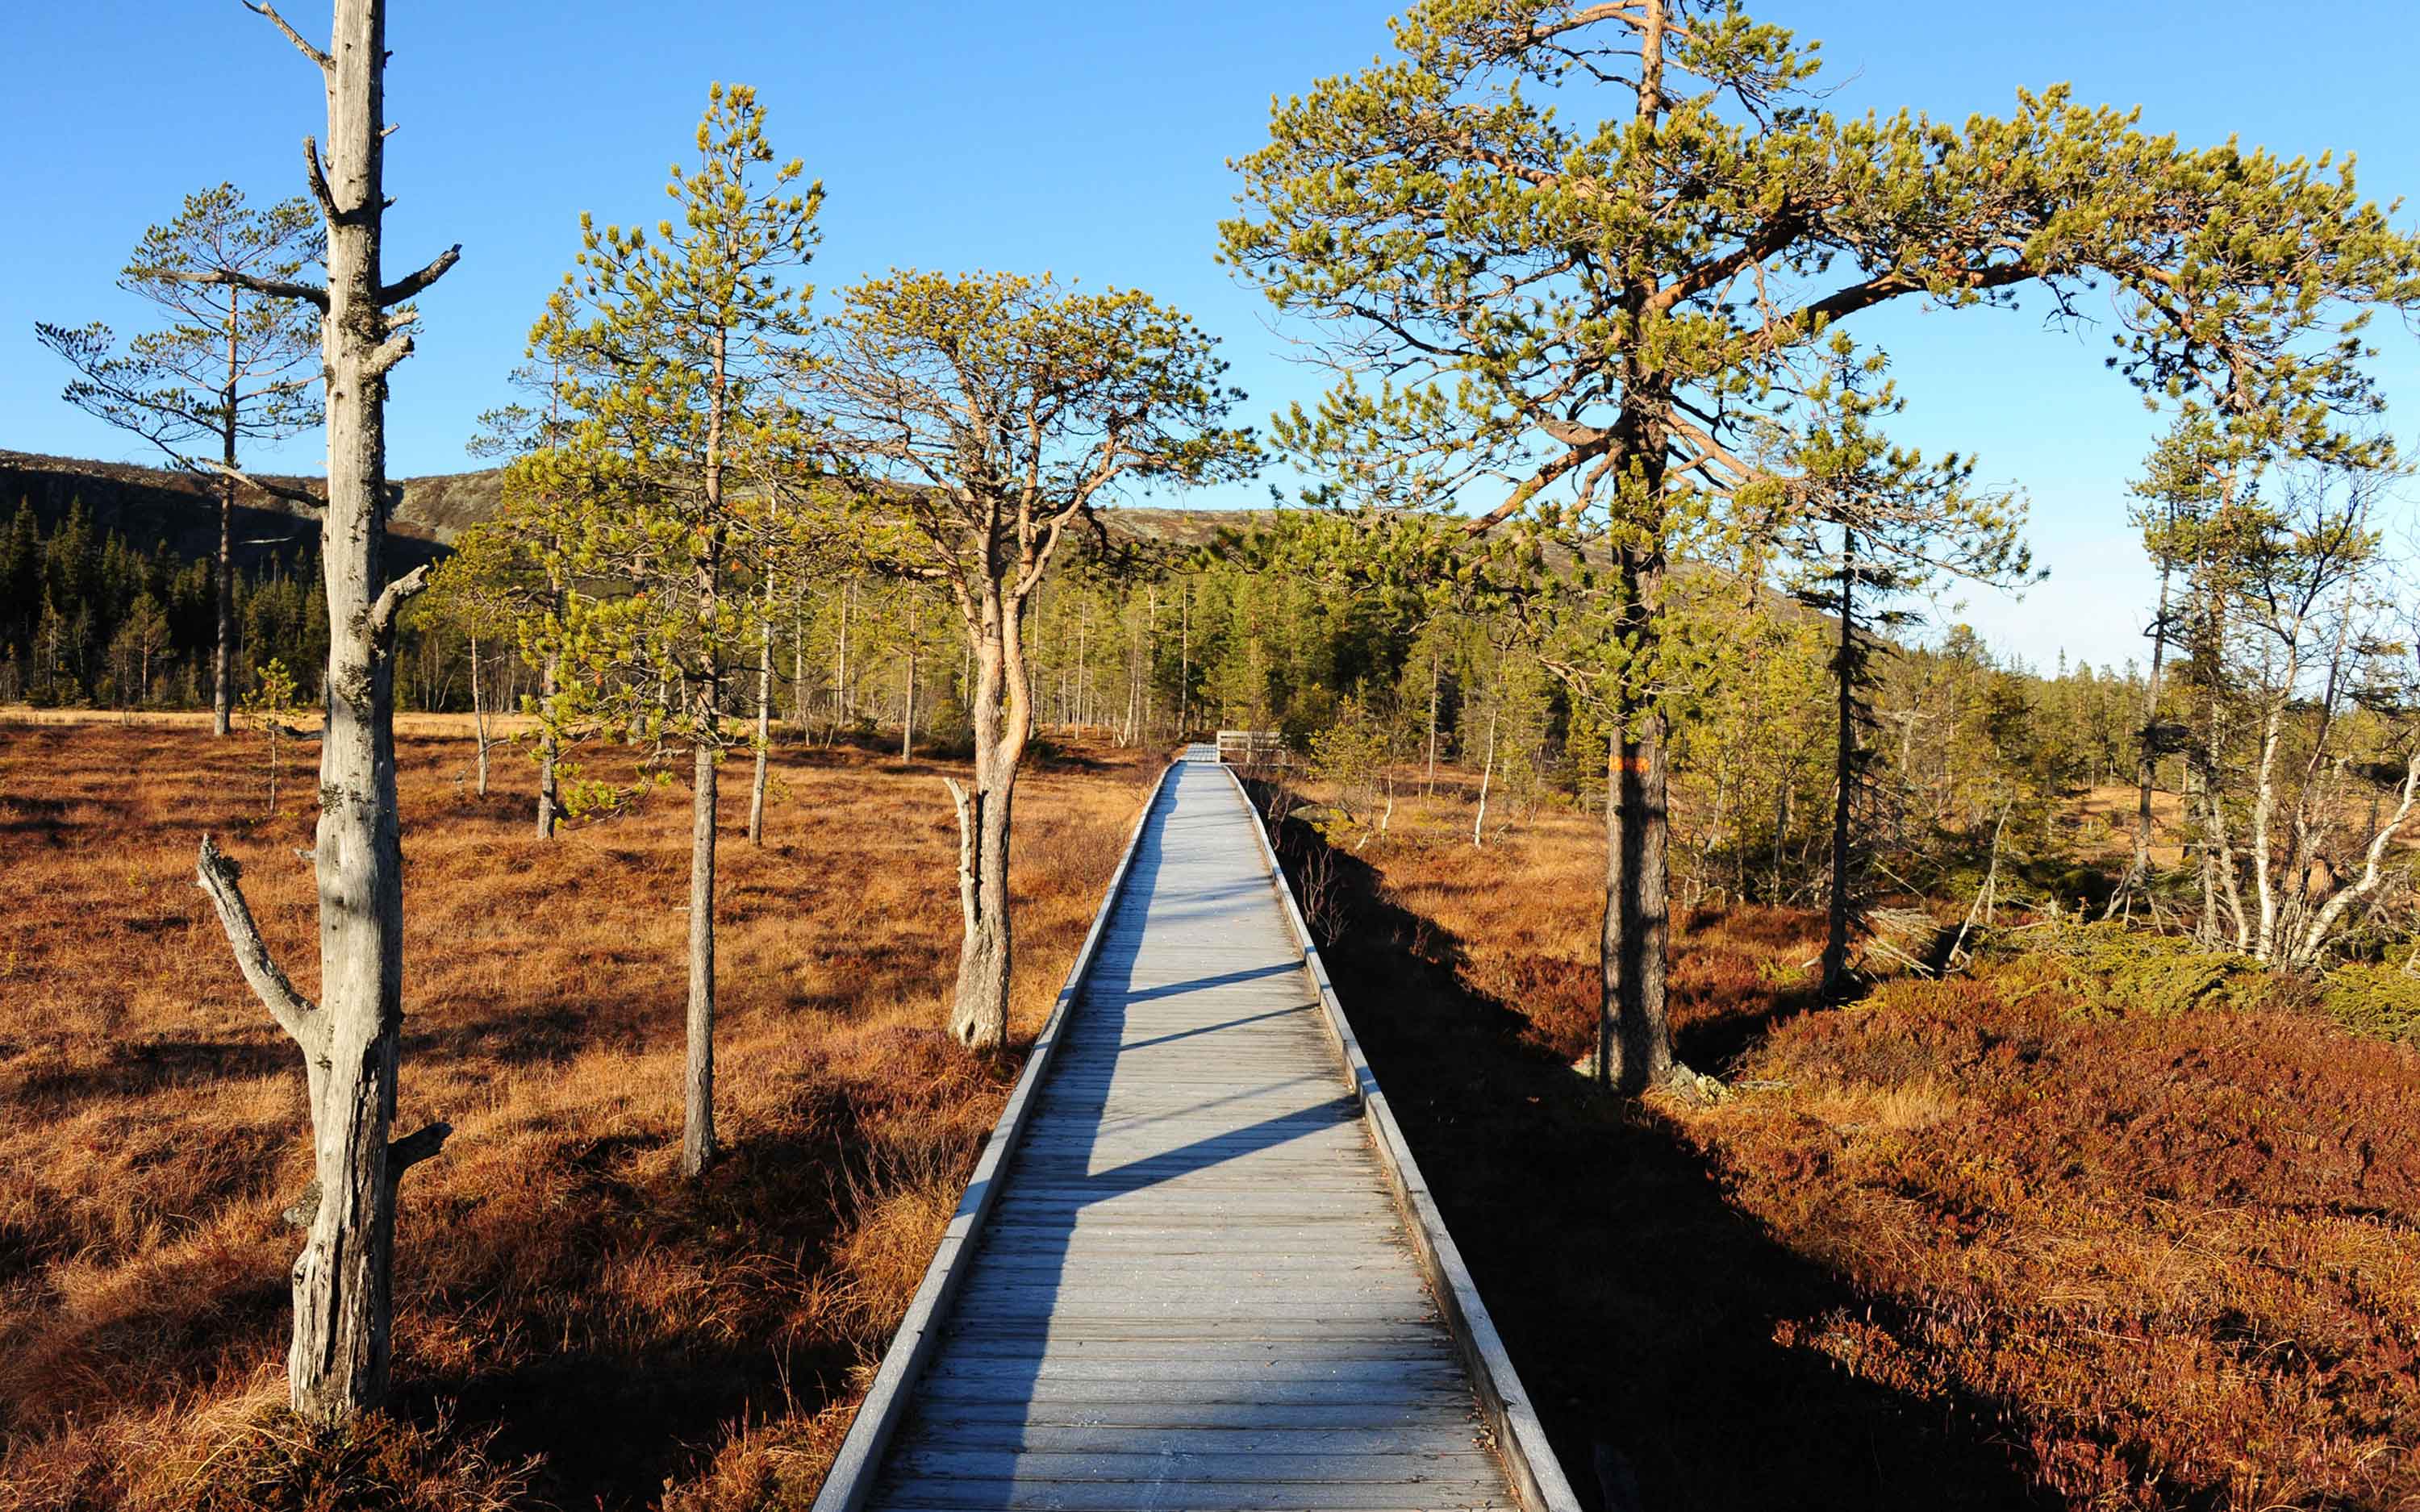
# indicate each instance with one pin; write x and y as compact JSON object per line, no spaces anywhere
{"x":1997,"y":1242}
{"x":576,"y":1327}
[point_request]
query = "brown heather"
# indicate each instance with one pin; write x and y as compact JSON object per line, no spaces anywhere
{"x":574,"y":1326}
{"x":1994,"y":1241}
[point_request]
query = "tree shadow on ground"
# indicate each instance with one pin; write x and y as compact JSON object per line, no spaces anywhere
{"x":616,"y":1413}
{"x":1639,"y":1307}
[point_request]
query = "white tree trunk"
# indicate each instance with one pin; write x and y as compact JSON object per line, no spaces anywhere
{"x":1486,"y":775}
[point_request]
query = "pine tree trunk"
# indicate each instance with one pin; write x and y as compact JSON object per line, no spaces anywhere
{"x":1430,"y":790}
{"x":1633,"y":1039}
{"x":222,"y":656}
{"x":338,"y":1364}
{"x":799,"y":662}
{"x":1844,"y":760}
{"x":478,"y":717}
{"x":697,"y":1077}
{"x":840,"y":658}
{"x":764,"y":719}
{"x":550,"y":800}
{"x":1003,"y":719}
{"x":908,"y":720}
{"x":697,"y":1126}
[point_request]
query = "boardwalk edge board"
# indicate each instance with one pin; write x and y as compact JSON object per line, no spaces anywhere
{"x":1530,"y":1460}
{"x":854,"y":1469}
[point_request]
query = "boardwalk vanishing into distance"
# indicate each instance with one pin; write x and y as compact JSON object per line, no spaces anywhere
{"x":1194,"y":1287}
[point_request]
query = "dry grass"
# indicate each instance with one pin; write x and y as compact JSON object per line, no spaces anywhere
{"x":1983,"y":1243}
{"x":574,"y":1326}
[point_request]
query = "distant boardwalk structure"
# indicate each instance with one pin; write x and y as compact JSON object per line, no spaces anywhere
{"x":1248,"y":747}
{"x":1195,"y":1270}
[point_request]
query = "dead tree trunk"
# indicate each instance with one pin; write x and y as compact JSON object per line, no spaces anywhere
{"x":351,"y":1041}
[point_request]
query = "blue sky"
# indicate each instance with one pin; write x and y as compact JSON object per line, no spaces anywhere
{"x":1089,"y":139}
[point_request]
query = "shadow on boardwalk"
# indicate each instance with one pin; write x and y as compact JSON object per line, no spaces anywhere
{"x":1638,"y":1305}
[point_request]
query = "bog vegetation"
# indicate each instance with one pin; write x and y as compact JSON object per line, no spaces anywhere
{"x":2014,"y":1058}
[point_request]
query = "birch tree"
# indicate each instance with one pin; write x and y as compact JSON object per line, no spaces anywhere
{"x":996,"y":414}
{"x":352,"y":1038}
{"x":230,"y":365}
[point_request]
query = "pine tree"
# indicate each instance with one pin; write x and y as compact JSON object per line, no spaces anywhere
{"x":670,"y":346}
{"x":1580,"y":311}
{"x":993,"y":414}
{"x":233,"y":362}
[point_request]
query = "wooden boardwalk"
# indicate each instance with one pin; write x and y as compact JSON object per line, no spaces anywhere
{"x":1194,"y":1288}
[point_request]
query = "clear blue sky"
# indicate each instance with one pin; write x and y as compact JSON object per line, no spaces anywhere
{"x":1086,"y":138}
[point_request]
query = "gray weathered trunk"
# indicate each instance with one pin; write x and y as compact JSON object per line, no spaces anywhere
{"x":350,"y":1041}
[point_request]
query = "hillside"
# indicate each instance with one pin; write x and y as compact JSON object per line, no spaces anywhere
{"x":151,"y":506}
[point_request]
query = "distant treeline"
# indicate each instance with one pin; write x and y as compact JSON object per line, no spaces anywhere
{"x":88,"y":619}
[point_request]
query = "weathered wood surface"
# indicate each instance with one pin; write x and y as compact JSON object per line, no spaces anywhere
{"x":1195,"y":1289}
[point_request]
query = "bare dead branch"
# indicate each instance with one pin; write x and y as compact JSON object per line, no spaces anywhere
{"x":404,"y":289}
{"x":420,"y":1144}
{"x":262,"y":7}
{"x":392,"y":598}
{"x":389,"y":351}
{"x":317,"y":173}
{"x":276,"y":289}
{"x":275,"y":490}
{"x":296,"y":1014}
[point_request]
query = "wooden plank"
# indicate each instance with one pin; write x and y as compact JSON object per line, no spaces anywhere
{"x":1258,"y":1368}
{"x":1465,"y":1464}
{"x":1307,"y":1418}
{"x":1537,"y":1475}
{"x":1046,"y":1438}
{"x":937,"y":1494}
{"x":1195,"y":1289}
{"x":852,"y":1477}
